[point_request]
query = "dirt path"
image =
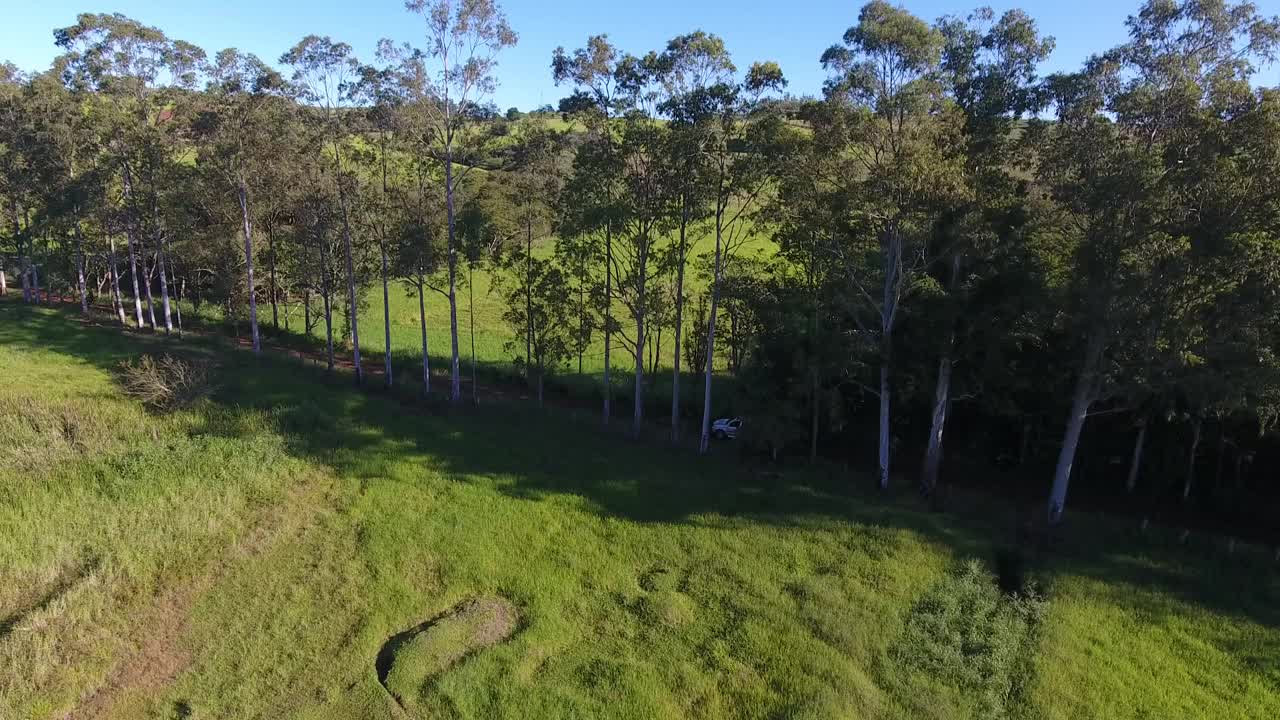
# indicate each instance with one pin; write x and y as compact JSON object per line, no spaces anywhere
{"x":159,"y":654}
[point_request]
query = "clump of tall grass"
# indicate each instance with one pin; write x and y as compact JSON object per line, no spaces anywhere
{"x":36,"y":434}
{"x":966,"y":635}
{"x":166,"y":382}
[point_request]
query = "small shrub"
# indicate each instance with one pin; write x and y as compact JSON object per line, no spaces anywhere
{"x":167,"y":382}
{"x":972,"y":644}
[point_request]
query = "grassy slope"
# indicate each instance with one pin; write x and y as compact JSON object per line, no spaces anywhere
{"x":249,"y":557}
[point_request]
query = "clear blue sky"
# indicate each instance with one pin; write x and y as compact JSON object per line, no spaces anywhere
{"x":792,"y":33}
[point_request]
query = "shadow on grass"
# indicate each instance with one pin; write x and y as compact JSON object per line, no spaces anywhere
{"x":533,"y":454}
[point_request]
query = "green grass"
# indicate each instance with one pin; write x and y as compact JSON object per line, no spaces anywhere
{"x":253,"y":554}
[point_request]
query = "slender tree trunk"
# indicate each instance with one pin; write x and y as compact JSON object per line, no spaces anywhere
{"x":471,"y":321}
{"x":132,"y":234}
{"x":888,"y":316}
{"x":1196,"y":424}
{"x":114,"y":269}
{"x":4,"y":286}
{"x":147,"y":271}
{"x":675,"y":363}
{"x":351,"y":289}
{"x":582,"y":321}
{"x":608,"y":316}
{"x":941,"y":399}
{"x":352,"y":307}
{"x":24,"y":273}
{"x":306,"y":311}
{"x":1081,"y":400}
{"x":133,"y":272}
{"x":328,"y":306}
{"x":704,"y":440}
{"x":422,"y":324}
{"x":885,"y":397}
{"x":941,"y":405}
{"x":247,"y":225}
{"x":174,"y":282}
{"x":386,"y":315}
{"x":271,"y":248}
{"x":164,"y":278}
{"x":541,"y":374}
{"x":80,"y":263}
{"x":455,"y":379}
{"x":637,"y":411}
{"x":655,"y":354}
{"x":815,"y":407}
{"x":528,"y":296}
{"x":1135,"y":463}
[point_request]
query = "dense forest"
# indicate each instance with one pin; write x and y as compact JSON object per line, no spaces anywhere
{"x":978,"y":274}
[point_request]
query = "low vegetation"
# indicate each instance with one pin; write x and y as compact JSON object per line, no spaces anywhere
{"x":380,"y":402}
{"x":165,"y":382}
{"x":254,"y":553}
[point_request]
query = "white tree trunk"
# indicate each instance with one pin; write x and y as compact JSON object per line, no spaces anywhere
{"x":328,"y":305}
{"x":422,"y":324}
{"x":455,"y":379}
{"x":80,"y":263}
{"x":888,"y":316}
{"x":941,"y":405}
{"x":386,"y":317}
{"x":1081,"y":400}
{"x":247,"y":224}
{"x":608,"y":317}
{"x":675,"y":363}
{"x":1196,"y":424}
{"x":351,"y":289}
{"x":941,"y":398}
{"x":704,"y":437}
{"x":884,"y":424}
{"x":528,"y":297}
{"x":4,"y":286}
{"x":637,"y":410}
{"x":275,"y":310}
{"x":133,"y":272}
{"x":471,"y":322}
{"x":1135,"y":464}
{"x":164,"y":283}
{"x":114,"y":270}
{"x":173,"y":280}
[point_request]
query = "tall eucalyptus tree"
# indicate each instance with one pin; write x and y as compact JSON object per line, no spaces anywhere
{"x":324,"y":72}
{"x":883,"y":80}
{"x":463,"y":38}
{"x":595,"y":73}
{"x":693,"y":70}
{"x":741,"y":130}
{"x":234,"y":132}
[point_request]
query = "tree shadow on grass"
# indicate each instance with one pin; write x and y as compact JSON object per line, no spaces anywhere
{"x":531,"y":454}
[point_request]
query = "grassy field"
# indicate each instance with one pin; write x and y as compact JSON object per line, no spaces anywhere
{"x":290,"y":547}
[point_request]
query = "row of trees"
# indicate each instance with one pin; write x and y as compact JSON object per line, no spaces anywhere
{"x":950,"y":225}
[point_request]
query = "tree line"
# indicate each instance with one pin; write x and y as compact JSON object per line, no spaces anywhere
{"x":957,"y":234}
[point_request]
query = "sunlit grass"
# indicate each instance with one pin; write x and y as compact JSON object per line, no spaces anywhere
{"x":292,"y":526}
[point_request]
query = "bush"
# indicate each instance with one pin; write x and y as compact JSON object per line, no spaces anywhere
{"x":165,"y":383}
{"x":971,"y":644}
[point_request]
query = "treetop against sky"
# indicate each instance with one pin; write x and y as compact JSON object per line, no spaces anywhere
{"x":793,"y":34}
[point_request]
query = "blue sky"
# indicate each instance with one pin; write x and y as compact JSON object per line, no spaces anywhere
{"x":792,"y":33}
